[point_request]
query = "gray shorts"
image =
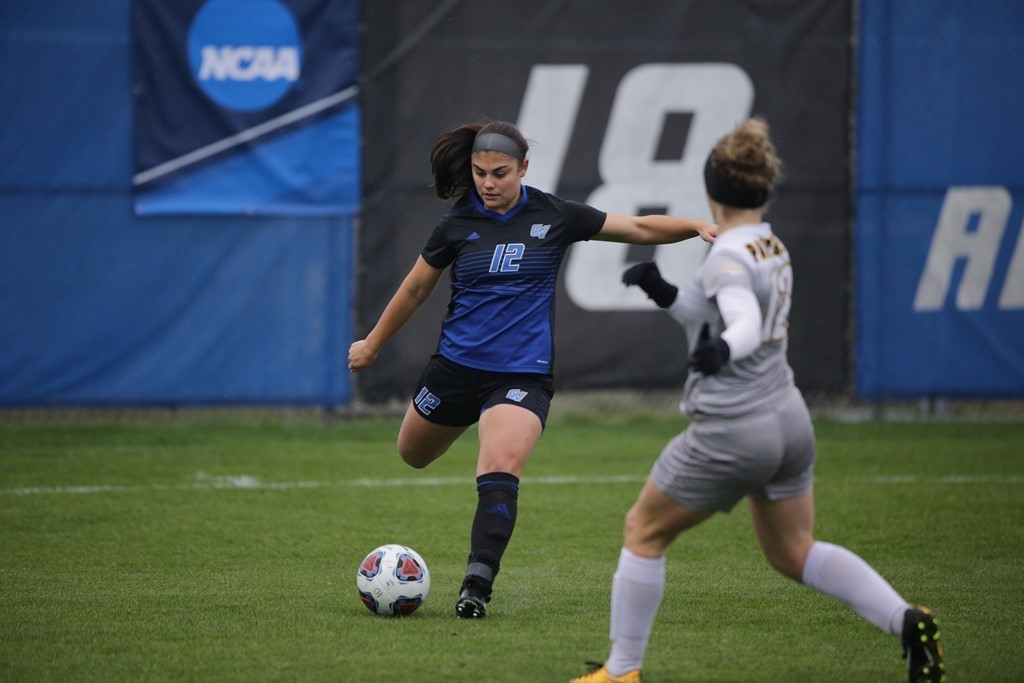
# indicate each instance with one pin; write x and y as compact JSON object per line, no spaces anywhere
{"x":717,"y":461}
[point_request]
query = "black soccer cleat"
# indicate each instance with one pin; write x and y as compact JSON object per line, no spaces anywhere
{"x":473,"y":599}
{"x":921,"y":647}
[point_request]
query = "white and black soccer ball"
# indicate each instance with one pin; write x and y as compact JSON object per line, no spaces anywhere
{"x":393,"y":580}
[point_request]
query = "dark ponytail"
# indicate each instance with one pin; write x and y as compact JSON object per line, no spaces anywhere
{"x":451,"y":157}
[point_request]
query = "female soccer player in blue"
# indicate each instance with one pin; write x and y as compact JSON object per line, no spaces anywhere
{"x":504,"y":243}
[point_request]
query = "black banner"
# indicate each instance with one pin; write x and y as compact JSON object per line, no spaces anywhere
{"x":622,"y":106}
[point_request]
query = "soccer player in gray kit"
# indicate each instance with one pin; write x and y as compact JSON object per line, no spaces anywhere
{"x":751,"y":434}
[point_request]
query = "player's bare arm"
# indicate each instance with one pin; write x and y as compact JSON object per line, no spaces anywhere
{"x":411,"y":294}
{"x":654,"y":229}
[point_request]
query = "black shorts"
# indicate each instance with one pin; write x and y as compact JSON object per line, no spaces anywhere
{"x":454,"y":395}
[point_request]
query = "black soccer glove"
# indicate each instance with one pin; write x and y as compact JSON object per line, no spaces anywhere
{"x":647,"y":276}
{"x":710,"y":354}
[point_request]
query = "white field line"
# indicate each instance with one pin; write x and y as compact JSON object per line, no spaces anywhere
{"x":950,"y":479}
{"x":246,"y":482}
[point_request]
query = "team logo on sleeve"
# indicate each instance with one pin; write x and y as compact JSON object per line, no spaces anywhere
{"x":539,"y":230}
{"x":516,"y":395}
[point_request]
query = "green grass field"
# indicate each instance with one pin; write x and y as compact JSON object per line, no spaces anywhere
{"x":206,"y":547}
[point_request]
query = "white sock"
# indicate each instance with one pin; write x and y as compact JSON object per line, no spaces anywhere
{"x":637,"y":587}
{"x":843,"y":575}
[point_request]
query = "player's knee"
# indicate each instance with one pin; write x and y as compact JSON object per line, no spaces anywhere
{"x":783,"y":565}
{"x":499,"y":464}
{"x":414,"y":461}
{"x":639,"y":533}
{"x":631,"y":525}
{"x":416,"y":456}
{"x":502,"y":459}
{"x":787,"y":561}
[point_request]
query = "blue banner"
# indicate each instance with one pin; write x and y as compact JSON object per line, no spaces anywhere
{"x":940,"y":200}
{"x":246,"y":107}
{"x":102,"y":307}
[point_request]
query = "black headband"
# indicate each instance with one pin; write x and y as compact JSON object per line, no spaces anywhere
{"x":724,"y":190}
{"x":496,"y":142}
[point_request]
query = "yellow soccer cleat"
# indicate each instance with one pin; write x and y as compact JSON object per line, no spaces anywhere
{"x":599,"y":674}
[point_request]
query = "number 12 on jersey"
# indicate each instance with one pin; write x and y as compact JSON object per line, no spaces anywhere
{"x":780,"y":298}
{"x":506,"y":258}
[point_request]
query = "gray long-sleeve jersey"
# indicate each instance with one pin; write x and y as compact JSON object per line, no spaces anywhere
{"x":753,"y":258}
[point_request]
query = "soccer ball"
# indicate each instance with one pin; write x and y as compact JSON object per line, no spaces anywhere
{"x":393,"y":580}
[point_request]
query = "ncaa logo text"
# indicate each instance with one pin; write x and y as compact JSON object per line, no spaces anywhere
{"x":245,"y":54}
{"x":249,"y":62}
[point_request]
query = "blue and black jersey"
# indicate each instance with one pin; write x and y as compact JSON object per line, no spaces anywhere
{"x":503,"y":274}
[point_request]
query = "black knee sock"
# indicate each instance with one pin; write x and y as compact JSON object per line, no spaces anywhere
{"x":496,"y":510}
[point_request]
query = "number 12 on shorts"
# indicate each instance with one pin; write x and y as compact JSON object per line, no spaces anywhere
{"x":426,"y":401}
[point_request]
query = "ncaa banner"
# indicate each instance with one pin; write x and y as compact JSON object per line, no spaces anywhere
{"x":246,"y":106}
